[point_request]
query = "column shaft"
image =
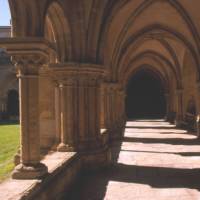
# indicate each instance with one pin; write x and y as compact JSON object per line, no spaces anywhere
{"x":30,"y":166}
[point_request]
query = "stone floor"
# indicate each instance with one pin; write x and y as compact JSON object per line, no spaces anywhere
{"x":155,"y":161}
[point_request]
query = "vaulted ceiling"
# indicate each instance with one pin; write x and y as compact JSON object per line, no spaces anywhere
{"x":120,"y":34}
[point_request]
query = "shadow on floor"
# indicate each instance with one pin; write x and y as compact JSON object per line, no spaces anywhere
{"x":93,"y":186}
{"x":164,"y":152}
{"x":172,"y":141}
{"x":151,"y":127}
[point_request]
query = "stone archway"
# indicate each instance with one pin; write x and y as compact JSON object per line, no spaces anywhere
{"x":145,"y":96}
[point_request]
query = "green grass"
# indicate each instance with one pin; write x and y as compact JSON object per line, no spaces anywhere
{"x":9,"y":145}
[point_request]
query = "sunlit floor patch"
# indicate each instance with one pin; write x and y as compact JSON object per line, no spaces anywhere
{"x":155,"y":161}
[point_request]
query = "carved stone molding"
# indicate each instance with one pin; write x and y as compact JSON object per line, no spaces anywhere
{"x":28,"y":54}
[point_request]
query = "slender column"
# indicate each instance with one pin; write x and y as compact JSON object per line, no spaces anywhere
{"x":179,"y":116}
{"x":107,"y":106}
{"x":89,"y":112}
{"x":57,"y":113}
{"x":63,"y":140}
{"x":80,"y":106}
{"x":30,"y":166}
{"x":198,"y":109}
{"x":67,"y":113}
{"x":103,"y":107}
{"x":167,"y":106}
{"x":122,"y":107}
{"x":198,"y":96}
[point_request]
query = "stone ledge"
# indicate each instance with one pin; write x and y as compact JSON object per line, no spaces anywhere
{"x":57,"y":162}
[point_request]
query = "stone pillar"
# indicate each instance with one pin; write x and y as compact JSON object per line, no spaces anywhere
{"x":29,"y":55}
{"x":114,"y":110}
{"x":167,"y":99}
{"x":89,"y":112}
{"x":57,"y":115}
{"x":108,"y":107}
{"x":122,"y":96}
{"x":198,"y":109}
{"x":67,"y":114}
{"x":198,"y":97}
{"x":30,"y":166}
{"x":102,"y":107}
{"x":80,"y":97}
{"x":179,"y":107}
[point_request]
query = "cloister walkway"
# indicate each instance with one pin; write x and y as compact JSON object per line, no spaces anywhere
{"x":155,"y":161}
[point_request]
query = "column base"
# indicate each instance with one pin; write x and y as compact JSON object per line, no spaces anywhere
{"x":117,"y":133}
{"x":89,"y":145}
{"x":171,"y":117}
{"x":64,"y":148}
{"x":30,"y":171}
{"x":17,"y":158}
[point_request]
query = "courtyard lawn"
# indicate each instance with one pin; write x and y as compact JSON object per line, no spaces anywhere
{"x":9,"y":144}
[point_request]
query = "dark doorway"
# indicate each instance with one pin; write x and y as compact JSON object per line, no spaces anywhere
{"x":13,"y":104}
{"x":145,"y":96}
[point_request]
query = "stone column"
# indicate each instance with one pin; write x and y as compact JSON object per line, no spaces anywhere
{"x":167,"y":99}
{"x":198,"y":96}
{"x":80,"y":111}
{"x":198,"y":109}
{"x":89,"y":111}
{"x":114,"y":109}
{"x":30,"y":166}
{"x":122,"y":116}
{"x":179,"y":115}
{"x":29,"y":55}
{"x":57,"y":115}
{"x":108,"y":107}
{"x":67,"y":114}
{"x":102,"y":107}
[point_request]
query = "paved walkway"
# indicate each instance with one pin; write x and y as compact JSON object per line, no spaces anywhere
{"x":154,"y":162}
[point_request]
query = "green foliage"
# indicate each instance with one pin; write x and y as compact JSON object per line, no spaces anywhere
{"x":9,"y":144}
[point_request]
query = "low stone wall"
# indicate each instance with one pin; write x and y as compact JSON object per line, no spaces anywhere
{"x":63,"y":168}
{"x":57,"y":184}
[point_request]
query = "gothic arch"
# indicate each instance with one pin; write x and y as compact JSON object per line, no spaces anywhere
{"x":169,"y":54}
{"x":152,"y":29}
{"x":26,"y":18}
{"x":153,"y":71}
{"x":133,"y":16}
{"x":57,"y":30}
{"x":159,"y":60}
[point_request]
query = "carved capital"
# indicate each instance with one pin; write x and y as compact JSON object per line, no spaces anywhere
{"x":28,"y":54}
{"x":29,"y":63}
{"x":87,"y":75}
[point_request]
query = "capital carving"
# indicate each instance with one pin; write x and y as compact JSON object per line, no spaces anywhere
{"x":28,"y":54}
{"x":83,"y":75}
{"x":29,"y":63}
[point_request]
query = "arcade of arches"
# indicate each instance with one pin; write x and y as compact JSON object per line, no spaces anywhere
{"x":84,"y":67}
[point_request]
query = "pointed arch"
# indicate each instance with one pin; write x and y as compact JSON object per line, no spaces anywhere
{"x":57,"y":30}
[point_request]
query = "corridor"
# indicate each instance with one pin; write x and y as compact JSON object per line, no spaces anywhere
{"x":155,"y":161}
